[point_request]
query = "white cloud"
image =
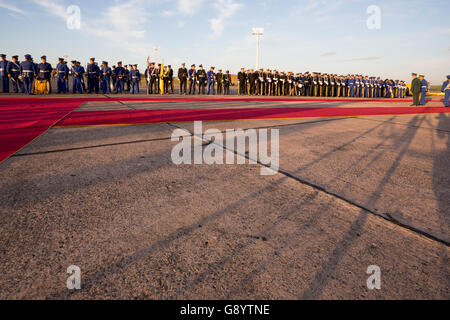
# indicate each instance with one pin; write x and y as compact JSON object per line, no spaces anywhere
{"x":226,"y":8}
{"x":121,"y":24}
{"x":189,"y":7}
{"x":11,"y":8}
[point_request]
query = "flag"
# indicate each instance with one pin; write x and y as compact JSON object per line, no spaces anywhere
{"x":161,"y":77}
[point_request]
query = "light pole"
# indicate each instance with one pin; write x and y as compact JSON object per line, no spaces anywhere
{"x":258,"y":32}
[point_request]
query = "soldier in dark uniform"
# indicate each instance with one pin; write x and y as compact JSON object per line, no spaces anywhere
{"x":4,"y":74}
{"x":182,"y":76}
{"x":219,"y":81}
{"x":201,"y":80}
{"x":92,"y":74}
{"x":227,"y":82}
{"x":192,"y":79}
{"x":13,"y":71}
{"x":158,"y":78}
{"x":416,"y":86}
{"x":261,"y":82}
{"x":276,"y":83}
{"x":269,"y":82}
{"x":252,"y":78}
{"x":242,"y":80}
{"x":283,"y":80}
{"x":170,"y":83}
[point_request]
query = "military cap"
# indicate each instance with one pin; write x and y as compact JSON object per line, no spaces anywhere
{"x":200,"y":66}
{"x":414,"y":74}
{"x":15,"y":57}
{"x":61,"y":59}
{"x":120,"y":62}
{"x":104,"y":62}
{"x":193,"y":65}
{"x":92,"y":59}
{"x":169,"y":66}
{"x":130,"y":65}
{"x":213,"y":68}
{"x":448,"y":77}
{"x":421,"y":75}
{"x":73,"y":61}
{"x":44,"y":57}
{"x":137,"y":65}
{"x":2,"y":55}
{"x":28,"y":56}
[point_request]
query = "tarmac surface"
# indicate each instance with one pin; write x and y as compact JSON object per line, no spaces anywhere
{"x":351,"y":192}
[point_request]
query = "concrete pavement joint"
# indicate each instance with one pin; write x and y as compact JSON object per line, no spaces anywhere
{"x":387,"y":217}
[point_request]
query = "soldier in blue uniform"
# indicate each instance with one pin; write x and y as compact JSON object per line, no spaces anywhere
{"x":13,"y":71}
{"x":105,"y":74}
{"x":120,"y":75}
{"x":350,"y":83}
{"x":45,"y":71}
{"x":192,"y":74}
{"x":4,"y":73}
{"x":62,"y":74}
{"x":211,"y":75}
{"x":28,"y":71}
{"x":77,"y":75}
{"x":92,"y":74}
{"x":424,"y":90}
{"x":446,"y":90}
{"x":135,"y":76}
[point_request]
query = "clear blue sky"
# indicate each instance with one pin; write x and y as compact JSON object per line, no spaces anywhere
{"x":300,"y":35}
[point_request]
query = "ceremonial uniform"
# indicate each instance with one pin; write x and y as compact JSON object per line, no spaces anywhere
{"x":135,"y":77}
{"x":4,"y":73}
{"x":62,"y":74}
{"x":423,"y":92}
{"x":227,"y":83}
{"x":93,"y":73}
{"x":77,"y":75}
{"x":13,"y":70}
{"x":192,"y":80}
{"x":105,"y":74}
{"x":28,"y":70}
{"x":120,"y":75}
{"x":446,"y":90}
{"x":182,"y":76}
{"x":45,"y":73}
{"x":201,"y":80}
{"x":211,"y":82}
{"x":242,"y":78}
{"x":219,"y":81}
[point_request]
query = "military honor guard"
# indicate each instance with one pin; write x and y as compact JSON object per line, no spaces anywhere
{"x":62,"y":73}
{"x":4,"y":73}
{"x":13,"y":70}
{"x":201,"y":80}
{"x":120,"y":78}
{"x":183,"y":76}
{"x":211,"y":76}
{"x":423,"y":90}
{"x":28,"y":70}
{"x":192,"y":79}
{"x":105,"y":75}
{"x":219,"y":81}
{"x":242,"y":79}
{"x":446,"y":90}
{"x":226,"y":82}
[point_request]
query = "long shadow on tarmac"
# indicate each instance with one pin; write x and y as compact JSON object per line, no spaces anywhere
{"x":441,"y":183}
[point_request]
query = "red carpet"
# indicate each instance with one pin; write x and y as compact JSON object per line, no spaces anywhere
{"x":124,"y":117}
{"x":23,"y":120}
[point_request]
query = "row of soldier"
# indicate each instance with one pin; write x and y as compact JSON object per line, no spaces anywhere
{"x":160,"y":79}
{"x":274,"y":83}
